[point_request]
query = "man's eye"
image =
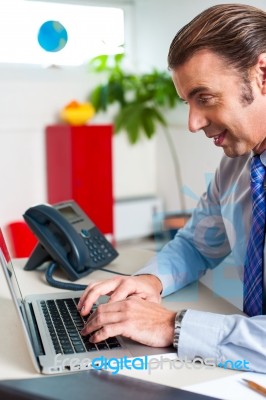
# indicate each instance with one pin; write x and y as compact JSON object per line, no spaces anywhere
{"x":205,"y":99}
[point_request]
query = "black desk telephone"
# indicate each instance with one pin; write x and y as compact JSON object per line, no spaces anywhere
{"x":70,"y":239}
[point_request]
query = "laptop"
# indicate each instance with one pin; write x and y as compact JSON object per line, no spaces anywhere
{"x":51,"y":326}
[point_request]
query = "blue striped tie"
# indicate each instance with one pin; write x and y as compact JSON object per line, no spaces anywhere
{"x":253,"y":271}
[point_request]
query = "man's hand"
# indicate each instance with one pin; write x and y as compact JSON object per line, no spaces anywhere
{"x":140,"y":320}
{"x":147,"y":287}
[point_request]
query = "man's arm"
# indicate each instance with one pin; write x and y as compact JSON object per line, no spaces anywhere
{"x":202,"y":244}
{"x":223,"y":338}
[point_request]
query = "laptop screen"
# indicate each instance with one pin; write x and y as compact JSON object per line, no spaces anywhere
{"x":9,"y":274}
{"x":9,"y":270}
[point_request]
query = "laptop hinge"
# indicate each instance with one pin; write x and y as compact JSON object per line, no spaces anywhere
{"x":30,"y":320}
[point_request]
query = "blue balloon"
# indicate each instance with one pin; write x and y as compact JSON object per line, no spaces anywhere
{"x":52,"y":36}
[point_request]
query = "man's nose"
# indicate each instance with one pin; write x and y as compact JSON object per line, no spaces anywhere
{"x":196,"y":120}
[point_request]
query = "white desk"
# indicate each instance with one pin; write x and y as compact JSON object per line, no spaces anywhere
{"x":15,"y":361}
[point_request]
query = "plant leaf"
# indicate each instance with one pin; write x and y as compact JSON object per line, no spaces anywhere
{"x":129,"y":118}
{"x":158,"y":115}
{"x":99,"y":63}
{"x":119,"y":58}
{"x":147,"y":119}
{"x":141,"y":98}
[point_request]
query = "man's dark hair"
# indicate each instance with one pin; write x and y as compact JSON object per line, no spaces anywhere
{"x":235,"y":32}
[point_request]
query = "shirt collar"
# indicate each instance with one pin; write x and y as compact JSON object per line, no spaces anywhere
{"x":263,"y":158}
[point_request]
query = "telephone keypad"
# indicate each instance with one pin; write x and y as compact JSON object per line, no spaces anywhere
{"x":101,"y":251}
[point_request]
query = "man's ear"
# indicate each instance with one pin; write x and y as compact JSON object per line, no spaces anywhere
{"x":260,"y":69}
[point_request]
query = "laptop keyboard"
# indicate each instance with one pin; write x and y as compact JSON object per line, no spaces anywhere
{"x":65,"y":322}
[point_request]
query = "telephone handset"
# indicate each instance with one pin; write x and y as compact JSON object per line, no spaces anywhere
{"x":69,"y":238}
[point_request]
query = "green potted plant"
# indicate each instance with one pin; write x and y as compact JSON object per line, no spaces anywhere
{"x":142,"y":100}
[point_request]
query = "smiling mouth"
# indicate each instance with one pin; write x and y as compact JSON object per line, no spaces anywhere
{"x":218,"y":139}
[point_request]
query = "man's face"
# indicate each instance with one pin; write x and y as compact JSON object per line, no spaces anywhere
{"x":215,"y":93}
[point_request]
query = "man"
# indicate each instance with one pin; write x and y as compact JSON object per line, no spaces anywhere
{"x":218,"y":64}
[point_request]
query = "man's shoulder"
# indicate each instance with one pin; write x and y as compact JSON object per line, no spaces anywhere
{"x":234,"y":171}
{"x":236,"y":164}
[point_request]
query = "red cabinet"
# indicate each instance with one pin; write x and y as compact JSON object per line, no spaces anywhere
{"x":79,"y":167}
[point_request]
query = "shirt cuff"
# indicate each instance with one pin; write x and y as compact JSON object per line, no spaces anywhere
{"x":200,"y":335}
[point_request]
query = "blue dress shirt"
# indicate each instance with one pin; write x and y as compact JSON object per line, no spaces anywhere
{"x":219,"y":226}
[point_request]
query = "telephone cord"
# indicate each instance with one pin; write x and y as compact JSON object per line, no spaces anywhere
{"x":67,"y":285}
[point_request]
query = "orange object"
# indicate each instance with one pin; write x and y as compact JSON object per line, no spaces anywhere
{"x":76,"y":114}
{"x":21,"y":240}
{"x":72,"y":104}
{"x":176,"y":221}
